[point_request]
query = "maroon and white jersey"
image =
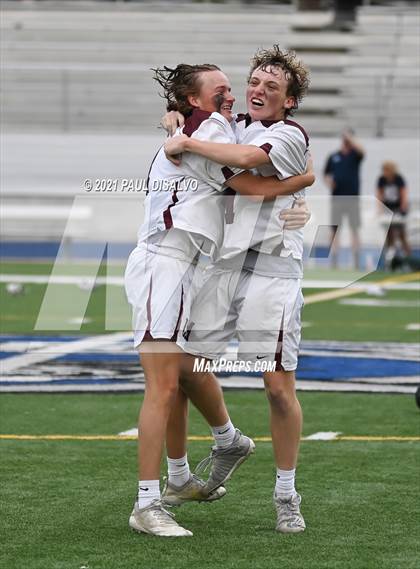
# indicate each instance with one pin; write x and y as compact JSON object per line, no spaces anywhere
{"x":256,"y":224}
{"x":189,"y":196}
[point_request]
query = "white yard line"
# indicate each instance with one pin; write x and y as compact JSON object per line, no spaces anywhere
{"x":229,"y":383}
{"x":353,"y":387}
{"x":61,"y":279}
{"x":349,"y":291}
{"x":355,"y":384}
{"x":311,"y":283}
{"x":380,"y":303}
{"x":130,"y":433}
{"x":119,"y":281}
{"x":323,"y":436}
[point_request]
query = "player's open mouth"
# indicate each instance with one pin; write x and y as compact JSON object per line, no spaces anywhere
{"x":226,"y":108}
{"x":257,"y":102}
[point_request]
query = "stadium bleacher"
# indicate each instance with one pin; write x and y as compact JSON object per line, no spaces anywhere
{"x":78,"y":99}
{"x":69,"y":66}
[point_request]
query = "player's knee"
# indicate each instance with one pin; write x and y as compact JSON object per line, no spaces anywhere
{"x":281,"y":398}
{"x":279,"y":401}
{"x":164,"y":390}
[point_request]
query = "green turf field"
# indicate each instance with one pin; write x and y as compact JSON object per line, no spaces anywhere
{"x":66,"y":503}
{"x":322,"y":320}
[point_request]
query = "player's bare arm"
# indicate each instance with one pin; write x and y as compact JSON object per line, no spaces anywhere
{"x":245,"y":156}
{"x":269,"y":187}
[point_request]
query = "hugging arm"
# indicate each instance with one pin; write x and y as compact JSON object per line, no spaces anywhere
{"x":269,"y":187}
{"x":245,"y":183}
{"x":244,"y":156}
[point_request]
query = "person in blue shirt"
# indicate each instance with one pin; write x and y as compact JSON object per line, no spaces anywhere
{"x":342,"y":177}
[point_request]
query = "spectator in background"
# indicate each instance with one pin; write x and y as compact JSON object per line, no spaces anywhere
{"x":344,"y":15}
{"x":342,"y":177}
{"x":392,"y":192}
{"x":345,"y":12}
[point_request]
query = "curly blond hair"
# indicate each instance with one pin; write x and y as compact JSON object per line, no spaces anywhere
{"x":297,"y":74}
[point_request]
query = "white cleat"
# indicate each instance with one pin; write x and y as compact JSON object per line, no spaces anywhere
{"x":225,"y":461}
{"x":289,"y":518}
{"x":194,"y":490}
{"x":156,"y":520}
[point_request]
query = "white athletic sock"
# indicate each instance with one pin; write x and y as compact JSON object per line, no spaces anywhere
{"x":285,"y":483}
{"x":178,"y":470}
{"x":224,"y":435}
{"x":149,"y":490}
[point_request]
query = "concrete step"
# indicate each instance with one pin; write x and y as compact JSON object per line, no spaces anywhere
{"x":396,"y":132}
{"x":91,"y":68}
{"x":144,"y":31}
{"x":161,"y":55}
{"x":158,"y":32}
{"x":113,"y":82}
{"x":114,"y":23}
{"x":315,"y":126}
{"x":80,"y":121}
{"x":95,"y":96}
{"x":350,"y":73}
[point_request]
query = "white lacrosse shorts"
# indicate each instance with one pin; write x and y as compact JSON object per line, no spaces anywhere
{"x":157,"y":287}
{"x":262,"y":313}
